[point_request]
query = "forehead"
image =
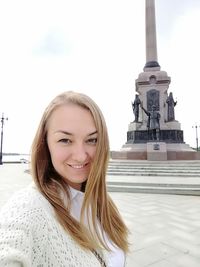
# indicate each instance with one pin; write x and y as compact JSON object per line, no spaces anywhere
{"x":71,"y":116}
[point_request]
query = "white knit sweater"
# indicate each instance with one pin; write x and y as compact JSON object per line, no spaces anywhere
{"x":30,"y":235}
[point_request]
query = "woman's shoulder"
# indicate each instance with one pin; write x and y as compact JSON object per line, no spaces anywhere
{"x":24,"y":205}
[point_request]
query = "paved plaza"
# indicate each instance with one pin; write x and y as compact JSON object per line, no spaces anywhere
{"x":165,"y":229}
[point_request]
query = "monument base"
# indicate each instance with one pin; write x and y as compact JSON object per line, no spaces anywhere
{"x":143,"y":136}
{"x":149,"y":151}
{"x":156,"y":151}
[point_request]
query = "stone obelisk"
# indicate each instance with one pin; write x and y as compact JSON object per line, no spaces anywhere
{"x":151,"y":41}
{"x":152,"y":97}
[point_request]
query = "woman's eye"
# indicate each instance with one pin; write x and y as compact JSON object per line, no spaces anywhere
{"x":92,"y":141}
{"x":64,"y":140}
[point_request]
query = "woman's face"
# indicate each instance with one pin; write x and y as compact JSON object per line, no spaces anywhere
{"x":72,"y":138}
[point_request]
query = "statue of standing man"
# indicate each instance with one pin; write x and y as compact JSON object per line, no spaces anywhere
{"x":153,"y":123}
{"x":135,"y":106}
{"x":171,"y":104}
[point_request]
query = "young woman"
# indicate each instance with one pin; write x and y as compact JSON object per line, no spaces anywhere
{"x":65,"y":217}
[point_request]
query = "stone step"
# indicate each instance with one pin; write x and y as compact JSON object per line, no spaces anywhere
{"x":125,"y":166}
{"x":183,"y":168}
{"x":156,"y":163}
{"x":154,"y":167}
{"x":182,"y":177}
{"x":169,"y":173}
{"x":154,"y":185}
{"x":153,"y":188}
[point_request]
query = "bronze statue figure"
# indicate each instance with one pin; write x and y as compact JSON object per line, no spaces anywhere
{"x":135,"y":106}
{"x":153,"y":123}
{"x":171,"y":104}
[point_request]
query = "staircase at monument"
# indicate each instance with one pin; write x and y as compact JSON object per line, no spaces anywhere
{"x":167,"y":177}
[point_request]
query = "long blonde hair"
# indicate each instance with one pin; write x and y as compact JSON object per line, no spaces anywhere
{"x":97,"y":203}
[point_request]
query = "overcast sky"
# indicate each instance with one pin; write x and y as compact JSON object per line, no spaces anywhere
{"x":95,"y":47}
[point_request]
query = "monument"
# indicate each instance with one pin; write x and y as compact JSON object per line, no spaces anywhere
{"x":154,"y":134}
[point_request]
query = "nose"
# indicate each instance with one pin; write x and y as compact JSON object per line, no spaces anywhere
{"x":79,"y":153}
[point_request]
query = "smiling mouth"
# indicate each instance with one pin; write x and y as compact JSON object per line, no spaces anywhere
{"x":77,"y":166}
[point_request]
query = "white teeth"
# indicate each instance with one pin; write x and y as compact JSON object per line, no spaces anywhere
{"x":77,"y":166}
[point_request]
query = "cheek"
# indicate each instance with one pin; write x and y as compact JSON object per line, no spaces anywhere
{"x":58,"y":154}
{"x":92,"y":152}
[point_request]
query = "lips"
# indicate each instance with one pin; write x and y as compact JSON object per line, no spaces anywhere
{"x":77,"y":166}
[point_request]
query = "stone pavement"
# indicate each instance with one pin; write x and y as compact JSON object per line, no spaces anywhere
{"x":165,"y":229}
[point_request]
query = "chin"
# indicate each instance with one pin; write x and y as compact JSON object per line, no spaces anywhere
{"x":77,"y":180}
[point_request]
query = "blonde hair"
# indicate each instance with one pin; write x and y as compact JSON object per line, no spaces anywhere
{"x":97,"y":202}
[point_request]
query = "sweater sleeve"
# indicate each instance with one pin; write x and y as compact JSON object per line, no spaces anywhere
{"x":19,"y":221}
{"x":14,"y":247}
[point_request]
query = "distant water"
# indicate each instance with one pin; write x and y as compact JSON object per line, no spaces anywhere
{"x":23,"y":158}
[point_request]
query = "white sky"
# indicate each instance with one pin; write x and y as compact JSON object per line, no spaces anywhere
{"x":95,"y":47}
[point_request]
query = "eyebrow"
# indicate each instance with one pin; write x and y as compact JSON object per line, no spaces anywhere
{"x":68,"y":133}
